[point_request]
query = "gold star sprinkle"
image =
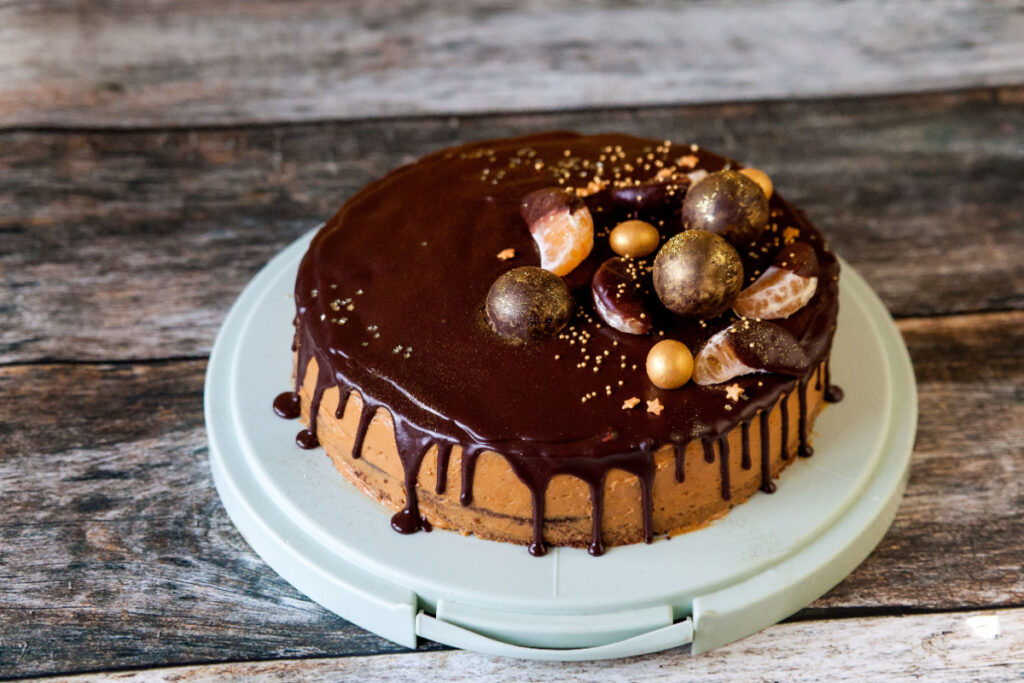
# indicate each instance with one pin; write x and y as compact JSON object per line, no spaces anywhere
{"x":506,"y":254}
{"x":688,"y":161}
{"x":655,"y":407}
{"x":733,"y":392}
{"x":789,"y":235}
{"x":630,"y":403}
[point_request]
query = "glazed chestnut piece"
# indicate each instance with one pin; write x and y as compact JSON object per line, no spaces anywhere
{"x":619,"y":288}
{"x":697,"y":274}
{"x":528,"y":303}
{"x":652,"y":201}
{"x":644,"y":198}
{"x":729,"y":204}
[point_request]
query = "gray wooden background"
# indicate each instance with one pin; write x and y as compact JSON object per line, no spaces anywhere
{"x":152,"y":63}
{"x":154,"y":154}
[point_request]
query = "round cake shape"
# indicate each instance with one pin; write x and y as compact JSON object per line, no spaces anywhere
{"x":562,"y":440}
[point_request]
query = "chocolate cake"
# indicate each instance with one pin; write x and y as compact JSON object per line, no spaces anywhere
{"x":564,"y":339}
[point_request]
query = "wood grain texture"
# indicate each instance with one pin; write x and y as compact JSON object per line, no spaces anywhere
{"x":966,"y":477}
{"x":159,"y":63}
{"x":966,"y":646}
{"x":133,"y":245}
{"x":137,"y":198}
{"x":117,"y":554}
{"x":116,"y":550}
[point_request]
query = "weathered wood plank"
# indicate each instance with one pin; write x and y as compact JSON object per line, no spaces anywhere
{"x":965,"y":477}
{"x":117,"y":554}
{"x":187,"y":63}
{"x":133,"y":245}
{"x":965,"y":646}
{"x":116,"y":551}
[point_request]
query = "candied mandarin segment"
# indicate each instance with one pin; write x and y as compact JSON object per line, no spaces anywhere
{"x":717,"y":362}
{"x":778,"y":293}
{"x":562,"y":227}
{"x":564,"y":241}
{"x":784,"y":288}
{"x":748,"y":346}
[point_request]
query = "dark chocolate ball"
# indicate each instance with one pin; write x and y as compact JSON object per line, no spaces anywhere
{"x":729,"y":204}
{"x":697,"y":274}
{"x":528,"y":303}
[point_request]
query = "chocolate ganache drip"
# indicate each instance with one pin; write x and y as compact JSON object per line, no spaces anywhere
{"x":389,"y":303}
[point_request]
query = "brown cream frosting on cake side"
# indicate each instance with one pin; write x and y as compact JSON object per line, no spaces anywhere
{"x":562,"y":440}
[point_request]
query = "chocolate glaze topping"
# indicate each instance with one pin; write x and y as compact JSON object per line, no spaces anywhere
{"x":390,"y":304}
{"x":769,"y":347}
{"x":288,"y":405}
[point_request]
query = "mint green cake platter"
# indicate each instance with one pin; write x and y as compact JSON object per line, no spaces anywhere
{"x":765,"y":560}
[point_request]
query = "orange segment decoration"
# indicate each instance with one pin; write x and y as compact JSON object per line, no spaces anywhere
{"x":784,"y":288}
{"x":562,"y":227}
{"x":748,"y":346}
{"x":717,"y":362}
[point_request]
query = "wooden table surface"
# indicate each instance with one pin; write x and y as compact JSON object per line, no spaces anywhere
{"x":154,"y":155}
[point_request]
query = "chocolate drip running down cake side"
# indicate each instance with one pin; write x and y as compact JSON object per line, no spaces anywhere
{"x":499,"y":339}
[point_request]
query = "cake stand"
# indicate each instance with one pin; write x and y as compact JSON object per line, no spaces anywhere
{"x":765,"y":560}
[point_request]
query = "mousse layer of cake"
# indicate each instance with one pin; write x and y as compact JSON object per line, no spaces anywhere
{"x":706,"y":488}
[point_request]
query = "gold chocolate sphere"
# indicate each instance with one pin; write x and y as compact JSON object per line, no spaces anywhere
{"x":698,"y":274}
{"x":761,"y":178}
{"x":528,"y":303}
{"x":729,"y":204}
{"x":669,"y":364}
{"x":634,"y":238}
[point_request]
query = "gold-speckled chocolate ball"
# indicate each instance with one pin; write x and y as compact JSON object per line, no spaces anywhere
{"x":761,"y":178}
{"x":528,"y":303}
{"x":697,"y":274}
{"x":729,"y":204}
{"x":634,"y":238}
{"x":669,"y":364}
